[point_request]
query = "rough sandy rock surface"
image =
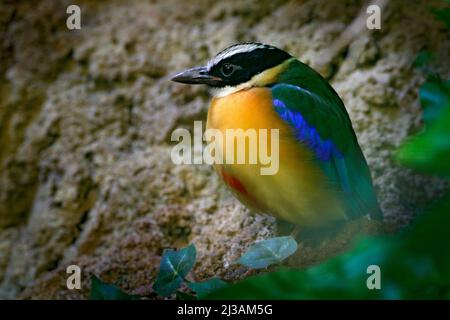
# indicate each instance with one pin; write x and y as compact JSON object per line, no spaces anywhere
{"x":86,"y":118}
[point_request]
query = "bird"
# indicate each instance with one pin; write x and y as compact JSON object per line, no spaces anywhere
{"x":323,"y":177}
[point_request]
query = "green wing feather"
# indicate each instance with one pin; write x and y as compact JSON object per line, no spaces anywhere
{"x":318,"y":116}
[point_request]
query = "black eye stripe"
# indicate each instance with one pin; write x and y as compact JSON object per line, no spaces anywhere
{"x":242,"y":66}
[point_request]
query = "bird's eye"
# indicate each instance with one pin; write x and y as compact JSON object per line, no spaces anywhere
{"x":228,"y":69}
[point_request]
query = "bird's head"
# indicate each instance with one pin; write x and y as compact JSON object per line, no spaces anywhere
{"x":238,"y":67}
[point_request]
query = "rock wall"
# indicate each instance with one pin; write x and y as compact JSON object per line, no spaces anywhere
{"x":86,"y":117}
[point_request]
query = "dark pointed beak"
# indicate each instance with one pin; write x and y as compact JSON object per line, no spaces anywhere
{"x":197,"y":75}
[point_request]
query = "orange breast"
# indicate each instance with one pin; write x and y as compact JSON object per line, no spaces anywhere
{"x":245,"y":109}
{"x":299,"y":191}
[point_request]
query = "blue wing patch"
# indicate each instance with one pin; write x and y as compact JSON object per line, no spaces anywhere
{"x":330,"y":158}
{"x":324,"y":150}
{"x":343,"y":163}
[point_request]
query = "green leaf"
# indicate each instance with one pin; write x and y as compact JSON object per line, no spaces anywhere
{"x":414,"y":265}
{"x":174,"y":266}
{"x":264,"y":253}
{"x":206,"y":287}
{"x":104,"y":291}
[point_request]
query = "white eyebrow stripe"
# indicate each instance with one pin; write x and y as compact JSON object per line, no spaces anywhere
{"x":231,"y":51}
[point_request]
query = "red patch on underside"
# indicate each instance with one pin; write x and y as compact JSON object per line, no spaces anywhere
{"x":234,"y":183}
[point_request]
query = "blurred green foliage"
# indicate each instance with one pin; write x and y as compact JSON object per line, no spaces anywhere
{"x":204,"y":288}
{"x":415,"y":264}
{"x":104,"y":291}
{"x":429,"y":151}
{"x":443,"y":14}
{"x":423,"y":59}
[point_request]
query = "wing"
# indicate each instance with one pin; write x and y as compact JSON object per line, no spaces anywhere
{"x":325,"y":127}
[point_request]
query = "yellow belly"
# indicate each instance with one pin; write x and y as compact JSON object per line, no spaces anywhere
{"x":299,"y":191}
